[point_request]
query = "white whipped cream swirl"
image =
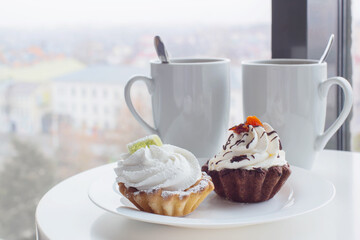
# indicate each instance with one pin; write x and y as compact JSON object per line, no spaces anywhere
{"x":167,"y":167}
{"x":260,"y":147}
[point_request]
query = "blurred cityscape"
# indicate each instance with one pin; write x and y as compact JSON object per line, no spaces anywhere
{"x":70,"y":82}
{"x":355,"y":121}
{"x":62,"y":108}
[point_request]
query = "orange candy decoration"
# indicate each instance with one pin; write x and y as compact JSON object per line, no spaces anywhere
{"x":254,"y":121}
{"x":251,"y":120}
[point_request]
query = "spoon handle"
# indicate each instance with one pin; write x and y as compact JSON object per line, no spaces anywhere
{"x":161,"y":50}
{"x":327,"y":49}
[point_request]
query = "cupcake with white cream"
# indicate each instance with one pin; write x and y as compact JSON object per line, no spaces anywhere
{"x":162,"y":179}
{"x":251,"y":166}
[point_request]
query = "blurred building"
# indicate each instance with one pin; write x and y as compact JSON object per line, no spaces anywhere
{"x":24,"y":107}
{"x":25,"y":94}
{"x":91,"y":99}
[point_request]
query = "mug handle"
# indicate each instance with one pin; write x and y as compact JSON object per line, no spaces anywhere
{"x":150,"y":86}
{"x":324,"y":87}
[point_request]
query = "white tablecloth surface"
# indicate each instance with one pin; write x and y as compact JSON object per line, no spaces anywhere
{"x":65,"y":212}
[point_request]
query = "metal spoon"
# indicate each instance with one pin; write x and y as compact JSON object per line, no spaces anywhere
{"x":161,"y":50}
{"x":327,"y":49}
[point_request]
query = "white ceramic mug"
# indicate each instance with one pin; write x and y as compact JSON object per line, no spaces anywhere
{"x":291,"y":94}
{"x":190,"y":102}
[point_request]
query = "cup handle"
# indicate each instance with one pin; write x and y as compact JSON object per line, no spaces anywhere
{"x":324,"y":87}
{"x":150,"y":86}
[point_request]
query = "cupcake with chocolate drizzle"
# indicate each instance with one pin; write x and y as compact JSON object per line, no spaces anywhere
{"x":251,"y":166}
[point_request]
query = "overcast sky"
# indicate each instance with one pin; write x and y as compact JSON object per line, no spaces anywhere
{"x":50,"y":13}
{"x":53,"y":13}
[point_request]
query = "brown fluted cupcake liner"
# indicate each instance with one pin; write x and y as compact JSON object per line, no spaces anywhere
{"x":169,"y":203}
{"x":249,"y":186}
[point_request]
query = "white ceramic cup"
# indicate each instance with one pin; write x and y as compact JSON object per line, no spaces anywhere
{"x":291,"y":95}
{"x":190,"y":102}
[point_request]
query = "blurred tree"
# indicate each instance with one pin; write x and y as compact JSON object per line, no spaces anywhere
{"x":74,"y":153}
{"x":24,"y":178}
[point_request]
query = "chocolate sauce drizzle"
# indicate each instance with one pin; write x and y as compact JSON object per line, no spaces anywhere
{"x":239,"y":158}
{"x":247,"y":145}
{"x":239,"y":141}
{"x":262,"y":134}
{"x":280,"y":146}
{"x":273,"y":138}
{"x":226,"y":153}
{"x":270,"y":133}
{"x":228,"y":141}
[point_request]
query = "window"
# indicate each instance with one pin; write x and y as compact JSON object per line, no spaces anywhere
{"x":355,"y":54}
{"x":305,"y":30}
{"x":83,"y":57}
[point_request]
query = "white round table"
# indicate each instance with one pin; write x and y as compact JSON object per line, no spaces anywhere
{"x":65,"y":212}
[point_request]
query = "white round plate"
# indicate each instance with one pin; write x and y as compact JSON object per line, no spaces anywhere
{"x":302,"y":193}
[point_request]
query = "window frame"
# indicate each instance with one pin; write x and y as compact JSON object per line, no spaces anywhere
{"x":290,"y":38}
